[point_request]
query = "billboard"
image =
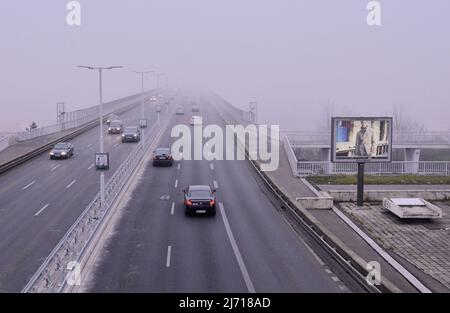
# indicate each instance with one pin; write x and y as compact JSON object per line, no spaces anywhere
{"x":361,"y":139}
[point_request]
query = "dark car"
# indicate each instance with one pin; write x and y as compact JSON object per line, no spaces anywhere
{"x":115,"y":127}
{"x":131,"y":134}
{"x":199,"y":199}
{"x":62,"y":150}
{"x":162,"y":156}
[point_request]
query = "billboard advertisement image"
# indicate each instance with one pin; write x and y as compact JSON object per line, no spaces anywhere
{"x":361,"y":139}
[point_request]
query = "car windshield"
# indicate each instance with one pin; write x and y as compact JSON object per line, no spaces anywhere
{"x":130,"y":130}
{"x":61,"y":146}
{"x":162,"y":151}
{"x":199,"y":194}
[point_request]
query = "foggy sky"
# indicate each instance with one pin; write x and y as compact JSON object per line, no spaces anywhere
{"x":291,"y":56}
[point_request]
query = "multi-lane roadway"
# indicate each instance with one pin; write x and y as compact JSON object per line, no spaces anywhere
{"x":42,"y":198}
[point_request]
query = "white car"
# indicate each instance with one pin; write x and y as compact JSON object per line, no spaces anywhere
{"x":196,"y":120}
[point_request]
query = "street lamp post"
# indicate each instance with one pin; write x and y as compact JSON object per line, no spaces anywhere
{"x":102,"y":174}
{"x":142,"y":99}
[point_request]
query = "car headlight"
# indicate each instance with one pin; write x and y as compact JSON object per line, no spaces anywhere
{"x":52,"y":153}
{"x":118,"y":128}
{"x":123,"y":135}
{"x":109,"y":128}
{"x":63,"y":153}
{"x":135,"y":135}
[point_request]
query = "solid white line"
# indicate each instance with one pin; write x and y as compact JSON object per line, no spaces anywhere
{"x":237,"y":254}
{"x":216,"y":185}
{"x":169,"y":252}
{"x":403,"y":271}
{"x":40,"y":211}
{"x":91,"y":166}
{"x":71,"y":184}
{"x":173,"y":208}
{"x":29,"y":185}
{"x":179,"y":165}
{"x":54,"y":168}
{"x":176,"y":183}
{"x":211,"y":166}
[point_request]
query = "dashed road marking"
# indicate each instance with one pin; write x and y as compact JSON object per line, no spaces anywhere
{"x":328,"y":271}
{"x":71,"y":184}
{"x":178,"y":167}
{"x":54,"y":168}
{"x":90,"y":166}
{"x":29,"y":185}
{"x":211,"y":166}
{"x":172,"y":209}
{"x":42,"y":209}
{"x":216,"y":185}
{"x":335,"y":279}
{"x":89,"y":145}
{"x":116,"y":145}
{"x":176,"y":183}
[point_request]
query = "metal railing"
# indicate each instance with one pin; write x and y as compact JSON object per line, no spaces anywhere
{"x":291,"y":156}
{"x":396,"y":167}
{"x":53,"y":274}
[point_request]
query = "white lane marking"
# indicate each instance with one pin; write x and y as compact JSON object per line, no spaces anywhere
{"x":169,"y":252}
{"x":172,"y":209}
{"x":176,"y":183}
{"x":335,"y":279}
{"x":328,"y":271}
{"x":77,"y":153}
{"x":116,"y":145}
{"x":237,"y":254}
{"x":29,"y":185}
{"x":342,"y":287}
{"x":216,"y":185}
{"x":71,"y":184}
{"x":54,"y":168}
{"x":179,"y":165}
{"x":89,"y":145}
{"x":211,"y":166}
{"x":42,"y":209}
{"x":90,"y":166}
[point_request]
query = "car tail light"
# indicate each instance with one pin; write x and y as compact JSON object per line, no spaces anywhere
{"x":188,"y":202}
{"x":212,"y":202}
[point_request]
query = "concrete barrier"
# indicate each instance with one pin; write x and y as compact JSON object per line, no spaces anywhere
{"x":378,"y":195}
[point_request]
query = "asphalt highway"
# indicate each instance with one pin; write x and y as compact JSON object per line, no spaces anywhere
{"x":248,"y":246}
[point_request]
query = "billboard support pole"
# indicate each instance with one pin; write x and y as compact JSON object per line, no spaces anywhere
{"x":360,"y":190}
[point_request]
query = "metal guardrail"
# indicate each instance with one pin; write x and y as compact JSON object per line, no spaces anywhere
{"x":52,"y":275}
{"x":291,"y":156}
